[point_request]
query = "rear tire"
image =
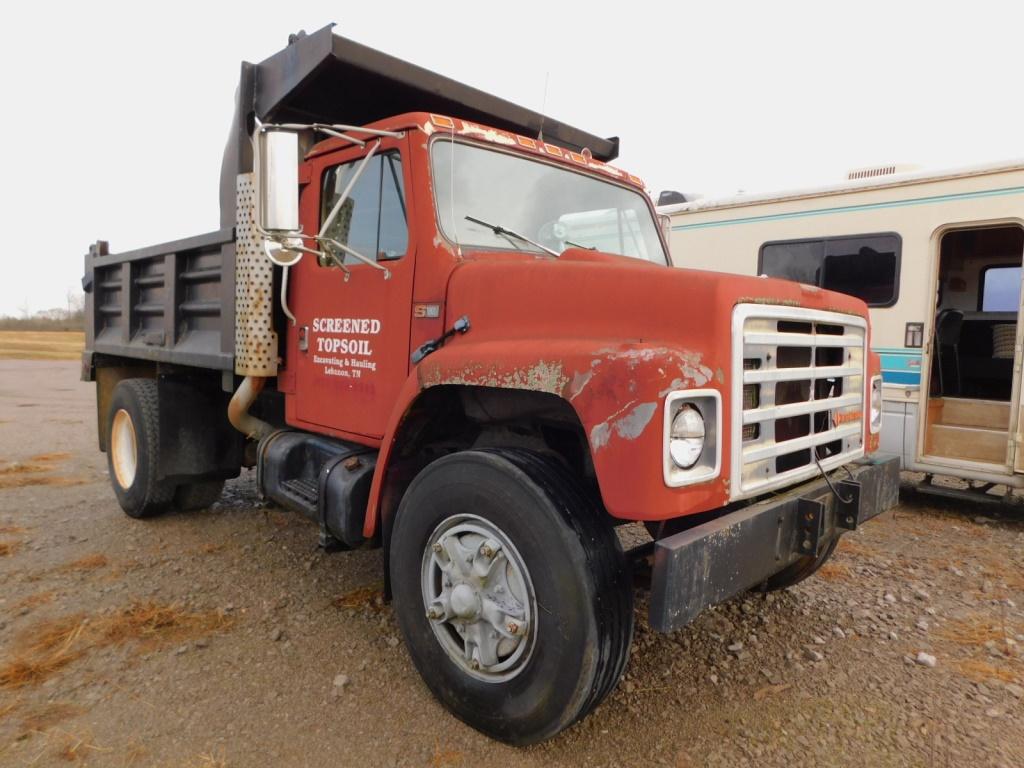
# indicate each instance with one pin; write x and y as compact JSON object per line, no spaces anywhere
{"x":133,"y":452}
{"x":198,"y":495}
{"x":564,"y":589}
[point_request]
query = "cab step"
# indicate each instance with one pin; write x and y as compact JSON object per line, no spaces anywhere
{"x":327,"y":480}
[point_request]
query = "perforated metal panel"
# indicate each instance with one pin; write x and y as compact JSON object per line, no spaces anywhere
{"x":255,"y":341}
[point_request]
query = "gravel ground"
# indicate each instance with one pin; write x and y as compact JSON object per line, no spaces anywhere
{"x":225,"y":638}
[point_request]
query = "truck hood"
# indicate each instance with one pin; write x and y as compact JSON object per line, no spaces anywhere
{"x":588,"y":294}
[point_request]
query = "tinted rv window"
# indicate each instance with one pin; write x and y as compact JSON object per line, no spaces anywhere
{"x":865,"y":266}
{"x":1000,"y":289}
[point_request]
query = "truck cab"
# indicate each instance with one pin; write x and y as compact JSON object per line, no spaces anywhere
{"x":461,"y":340}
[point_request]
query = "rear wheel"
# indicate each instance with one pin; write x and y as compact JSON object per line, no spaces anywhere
{"x":133,"y":452}
{"x":198,"y":495}
{"x":512,"y":592}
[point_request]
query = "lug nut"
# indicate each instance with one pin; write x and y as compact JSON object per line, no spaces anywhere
{"x":474,"y":664}
{"x":513,"y":628}
{"x":434,"y":613}
{"x":437,"y":547}
{"x":489,"y":548}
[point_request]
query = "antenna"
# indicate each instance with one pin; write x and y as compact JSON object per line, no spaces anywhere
{"x":543,"y":106}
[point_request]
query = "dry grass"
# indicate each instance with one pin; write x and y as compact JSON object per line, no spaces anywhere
{"x":87,"y":563}
{"x":50,"y":646}
{"x":41,"y":345}
{"x":208,"y":760}
{"x":365,"y":597}
{"x":35,"y":600}
{"x":25,"y":468}
{"x":22,"y":481}
{"x":6,"y":709}
{"x":37,"y":471}
{"x":50,"y":458}
{"x":833,"y":571}
{"x":76,"y":747}
{"x":445,"y":756}
{"x":976,"y":630}
{"x":850,"y":546}
{"x":12,"y":529}
{"x":982,"y":671}
{"x":44,"y":716}
{"x":8,"y":548}
{"x":40,"y":662}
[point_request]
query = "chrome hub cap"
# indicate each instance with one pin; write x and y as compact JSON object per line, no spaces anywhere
{"x":124,"y":453}
{"x":478,"y":598}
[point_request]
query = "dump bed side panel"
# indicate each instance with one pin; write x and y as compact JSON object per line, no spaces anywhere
{"x":169,"y":303}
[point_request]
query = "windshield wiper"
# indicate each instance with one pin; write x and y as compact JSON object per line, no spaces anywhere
{"x":499,"y":230}
{"x":580,"y":245}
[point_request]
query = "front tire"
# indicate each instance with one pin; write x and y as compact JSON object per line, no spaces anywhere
{"x":133,"y":451}
{"x":512,"y":592}
{"x":799,"y":571}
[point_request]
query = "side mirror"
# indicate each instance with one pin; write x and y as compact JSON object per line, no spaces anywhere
{"x":278,"y":181}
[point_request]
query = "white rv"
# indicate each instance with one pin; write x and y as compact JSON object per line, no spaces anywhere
{"x":937,"y":256}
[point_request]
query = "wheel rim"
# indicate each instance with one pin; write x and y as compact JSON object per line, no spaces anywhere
{"x":123,"y":450}
{"x":478,"y":598}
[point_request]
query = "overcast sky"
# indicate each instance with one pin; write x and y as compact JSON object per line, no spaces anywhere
{"x":115,"y":116}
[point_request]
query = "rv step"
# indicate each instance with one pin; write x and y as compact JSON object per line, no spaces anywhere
{"x":968,"y":443}
{"x":962,"y":412}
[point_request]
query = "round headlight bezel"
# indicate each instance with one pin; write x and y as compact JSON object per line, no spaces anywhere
{"x":687,"y":436}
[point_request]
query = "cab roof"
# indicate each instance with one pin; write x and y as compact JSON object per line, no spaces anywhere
{"x":443,"y":124}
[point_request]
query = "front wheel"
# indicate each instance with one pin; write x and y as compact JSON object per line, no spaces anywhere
{"x":512,"y":592}
{"x":799,"y":571}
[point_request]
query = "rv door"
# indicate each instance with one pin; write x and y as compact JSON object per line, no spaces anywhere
{"x":1017,"y":428}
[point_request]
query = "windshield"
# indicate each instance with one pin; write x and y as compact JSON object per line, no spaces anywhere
{"x":554,"y":207}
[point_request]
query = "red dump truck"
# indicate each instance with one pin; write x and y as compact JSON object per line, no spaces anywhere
{"x":442,"y":324}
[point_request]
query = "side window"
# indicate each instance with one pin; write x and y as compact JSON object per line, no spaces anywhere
{"x":372,"y":220}
{"x":1000,"y":289}
{"x":865,"y":266}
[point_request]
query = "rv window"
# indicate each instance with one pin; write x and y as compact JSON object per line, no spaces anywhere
{"x":1000,"y":289}
{"x":865,"y":266}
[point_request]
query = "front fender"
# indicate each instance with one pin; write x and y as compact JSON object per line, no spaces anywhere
{"x":618,"y":393}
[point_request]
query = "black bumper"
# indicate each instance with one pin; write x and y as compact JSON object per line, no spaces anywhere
{"x":714,"y":561}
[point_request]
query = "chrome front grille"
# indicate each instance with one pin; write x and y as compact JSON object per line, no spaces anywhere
{"x":798,"y":394}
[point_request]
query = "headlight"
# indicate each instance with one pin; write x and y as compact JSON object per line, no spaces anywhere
{"x":876,"y":405}
{"x":686,"y":439}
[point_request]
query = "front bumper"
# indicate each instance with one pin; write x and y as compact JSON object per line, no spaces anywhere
{"x":712,"y":562}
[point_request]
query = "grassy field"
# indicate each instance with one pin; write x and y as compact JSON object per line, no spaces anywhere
{"x":41,"y":345}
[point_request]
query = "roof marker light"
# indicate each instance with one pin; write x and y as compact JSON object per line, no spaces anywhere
{"x":443,"y":122}
{"x":551,"y":149}
{"x":525,"y":142}
{"x":578,"y":157}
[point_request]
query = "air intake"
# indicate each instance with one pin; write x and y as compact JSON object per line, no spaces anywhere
{"x":880,"y":170}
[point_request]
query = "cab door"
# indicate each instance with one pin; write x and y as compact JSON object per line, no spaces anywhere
{"x":353,"y":321}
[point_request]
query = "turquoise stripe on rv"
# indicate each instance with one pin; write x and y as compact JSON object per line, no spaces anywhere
{"x":900,"y":366}
{"x":852,"y":208}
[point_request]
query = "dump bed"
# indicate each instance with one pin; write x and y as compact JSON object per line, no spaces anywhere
{"x":175,"y":302}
